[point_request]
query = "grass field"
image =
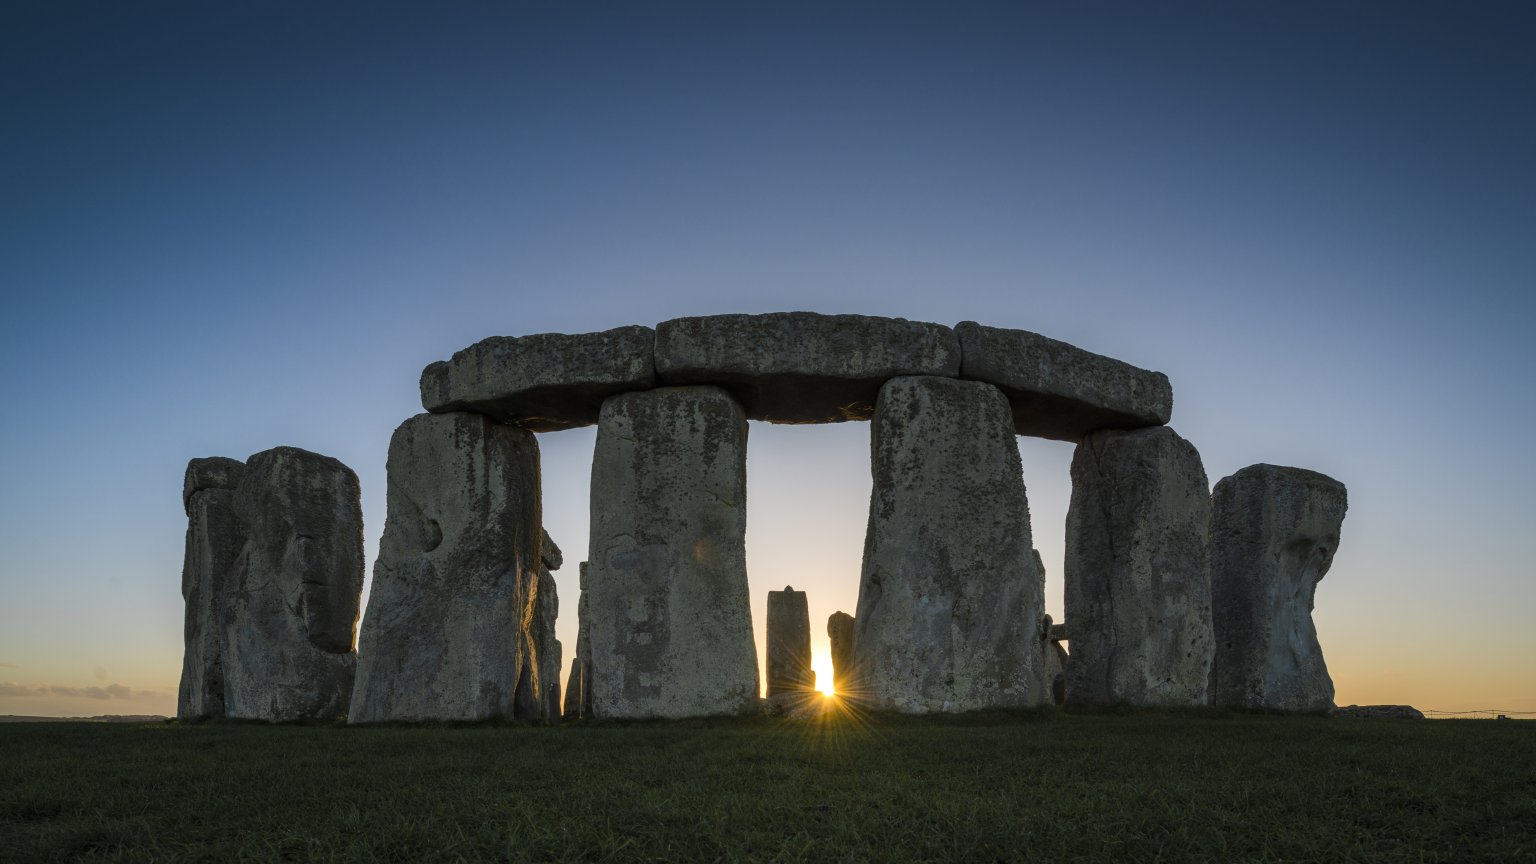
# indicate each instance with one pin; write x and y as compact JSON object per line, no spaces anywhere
{"x":1044,"y":787}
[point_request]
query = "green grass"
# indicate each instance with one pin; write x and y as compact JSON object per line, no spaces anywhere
{"x":1003,"y":788}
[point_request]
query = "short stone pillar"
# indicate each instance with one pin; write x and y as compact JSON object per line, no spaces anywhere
{"x":214,"y":541}
{"x":1138,"y":583}
{"x":840,"y":626}
{"x":446,"y":632}
{"x":290,"y":619}
{"x":578,"y":695}
{"x":789,"y":644}
{"x":950,"y":600}
{"x":1274,"y":532}
{"x":668,"y":610}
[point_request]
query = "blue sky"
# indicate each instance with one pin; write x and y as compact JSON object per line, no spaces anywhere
{"x":223,"y":229}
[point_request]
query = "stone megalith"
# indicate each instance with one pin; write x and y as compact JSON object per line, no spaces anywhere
{"x":802,"y":367}
{"x":668,"y":612}
{"x":1055,"y":659}
{"x":545,"y":381}
{"x":290,"y":619}
{"x":1274,"y":532}
{"x":1058,"y":390}
{"x":789,"y":644}
{"x":447,"y":632}
{"x":578,"y":695}
{"x":546,"y":647}
{"x":840,"y":626}
{"x":950,"y":600}
{"x":214,"y":540}
{"x":1138,"y":584}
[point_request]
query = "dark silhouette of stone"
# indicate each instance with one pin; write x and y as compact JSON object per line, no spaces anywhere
{"x":950,"y":599}
{"x":1138,"y":586}
{"x":840,"y":629}
{"x":290,"y":618}
{"x":214,"y":541}
{"x":1274,"y":532}
{"x":546,"y":648}
{"x":542,"y":382}
{"x":447,"y":635}
{"x":1378,"y":712}
{"x":789,"y":644}
{"x":802,"y":367}
{"x":1058,"y":390}
{"x":667,"y":608}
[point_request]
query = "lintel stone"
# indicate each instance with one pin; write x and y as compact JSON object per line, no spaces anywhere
{"x":1060,"y":391}
{"x":543,"y":382}
{"x":802,"y":367}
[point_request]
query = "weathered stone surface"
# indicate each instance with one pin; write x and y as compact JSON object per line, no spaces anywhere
{"x":573,"y":689}
{"x":1378,"y":712}
{"x":1274,"y":532}
{"x":1138,"y":585}
{"x":668,"y":613}
{"x":802,"y":367}
{"x":840,"y":629}
{"x":789,"y":644}
{"x":1058,"y":390}
{"x":214,"y":541}
{"x":213,"y":472}
{"x":542,"y":382}
{"x":453,"y":597}
{"x":951,"y":600}
{"x":291,"y":616}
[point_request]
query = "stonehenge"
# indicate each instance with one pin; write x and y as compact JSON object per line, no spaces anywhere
{"x":1274,"y":531}
{"x":214,"y":540}
{"x":1175,"y":595}
{"x":840,"y":627}
{"x":950,"y":598}
{"x":1137,"y":571}
{"x":447,"y":634}
{"x":789,"y":644}
{"x":289,"y":613}
{"x":668,"y":613}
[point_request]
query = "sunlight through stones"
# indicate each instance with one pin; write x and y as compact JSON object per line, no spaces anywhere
{"x":1171,"y":599}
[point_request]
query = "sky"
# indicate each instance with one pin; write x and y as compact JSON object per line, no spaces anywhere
{"x":228,"y":227}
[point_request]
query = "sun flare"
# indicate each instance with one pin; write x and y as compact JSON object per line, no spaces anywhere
{"x":821,"y":664}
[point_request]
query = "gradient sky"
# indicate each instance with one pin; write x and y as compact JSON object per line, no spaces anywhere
{"x":225,"y":229}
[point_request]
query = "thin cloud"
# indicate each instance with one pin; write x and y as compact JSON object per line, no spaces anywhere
{"x":4,"y":665}
{"x":110,"y":691}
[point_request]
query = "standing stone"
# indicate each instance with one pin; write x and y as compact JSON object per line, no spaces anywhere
{"x":789,"y":644}
{"x":452,"y":603}
{"x":669,"y":615}
{"x":1138,"y":583}
{"x":951,"y":600}
{"x":214,"y":540}
{"x":1274,"y":532}
{"x":840,"y":627}
{"x":1055,"y":659}
{"x":546,"y":647}
{"x":291,"y":616}
{"x":578,"y":692}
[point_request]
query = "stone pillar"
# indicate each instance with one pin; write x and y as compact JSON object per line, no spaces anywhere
{"x":545,"y":646}
{"x":1138,"y":583}
{"x":789,"y":644}
{"x":950,"y":601}
{"x":447,"y":632}
{"x":578,"y":692}
{"x":668,"y":610}
{"x":1274,"y":532}
{"x":214,"y":540}
{"x":290,"y":620}
{"x":840,"y":626}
